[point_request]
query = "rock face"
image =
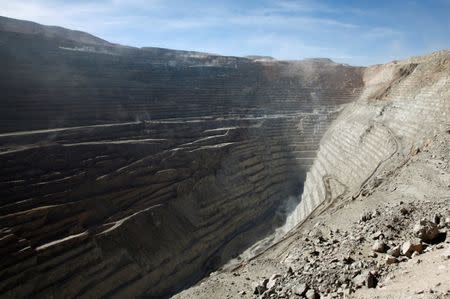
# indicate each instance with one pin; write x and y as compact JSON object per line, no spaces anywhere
{"x":134,"y":172}
{"x":381,"y":130}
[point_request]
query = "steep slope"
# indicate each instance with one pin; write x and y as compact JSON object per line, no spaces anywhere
{"x":402,"y":106}
{"x":134,"y":172}
{"x":382,"y":166}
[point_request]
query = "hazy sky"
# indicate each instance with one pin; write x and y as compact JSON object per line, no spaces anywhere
{"x":358,"y":32}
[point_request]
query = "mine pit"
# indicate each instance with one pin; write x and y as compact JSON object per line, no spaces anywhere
{"x":144,"y":172}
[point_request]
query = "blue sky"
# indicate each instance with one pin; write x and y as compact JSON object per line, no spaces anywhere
{"x":356,"y":32}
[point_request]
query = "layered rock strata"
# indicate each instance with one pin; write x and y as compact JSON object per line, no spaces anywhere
{"x":403,"y":105}
{"x":133,"y":172}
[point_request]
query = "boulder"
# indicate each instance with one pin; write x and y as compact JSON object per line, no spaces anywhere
{"x":409,"y":247}
{"x":379,"y":246}
{"x":426,"y":230}
{"x":300,"y":289}
{"x":311,"y":294}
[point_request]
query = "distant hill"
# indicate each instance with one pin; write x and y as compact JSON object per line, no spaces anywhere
{"x":259,"y":57}
{"x":27,"y":27}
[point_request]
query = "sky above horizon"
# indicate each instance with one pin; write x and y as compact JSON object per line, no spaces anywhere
{"x":358,"y":32}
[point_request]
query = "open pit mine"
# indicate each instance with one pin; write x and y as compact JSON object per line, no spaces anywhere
{"x":147,"y":173}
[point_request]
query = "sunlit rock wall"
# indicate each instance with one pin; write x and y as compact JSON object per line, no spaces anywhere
{"x":400,"y":109}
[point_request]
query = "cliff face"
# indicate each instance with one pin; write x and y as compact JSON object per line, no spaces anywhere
{"x":403,"y":105}
{"x":133,"y":172}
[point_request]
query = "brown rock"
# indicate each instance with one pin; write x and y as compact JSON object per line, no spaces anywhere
{"x":426,"y":230}
{"x":394,"y":251}
{"x":391,"y":260}
{"x":409,"y":247}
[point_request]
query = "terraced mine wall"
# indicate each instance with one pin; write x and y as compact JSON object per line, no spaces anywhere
{"x":134,"y":172}
{"x":404,"y":104}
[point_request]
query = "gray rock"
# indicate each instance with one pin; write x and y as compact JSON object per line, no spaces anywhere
{"x":311,"y":294}
{"x":379,"y":246}
{"x":377,"y":235}
{"x":447,"y":221}
{"x":260,"y":288}
{"x":426,"y":230}
{"x":273,"y":280}
{"x":365,"y":279}
{"x":300,"y":289}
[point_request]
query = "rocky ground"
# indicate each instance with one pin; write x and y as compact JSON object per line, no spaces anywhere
{"x":335,"y":263}
{"x":391,"y":242}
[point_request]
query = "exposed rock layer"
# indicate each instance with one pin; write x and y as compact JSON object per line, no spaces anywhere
{"x":401,"y":107}
{"x":132,"y":172}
